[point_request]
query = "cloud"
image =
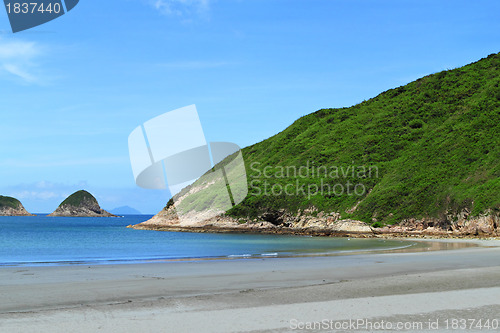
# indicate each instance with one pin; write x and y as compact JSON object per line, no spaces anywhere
{"x":38,"y":195}
{"x":18,"y":60}
{"x":19,"y":72}
{"x":182,"y":8}
{"x":43,"y":190}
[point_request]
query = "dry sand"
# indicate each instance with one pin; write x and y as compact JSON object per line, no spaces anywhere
{"x":419,"y":290}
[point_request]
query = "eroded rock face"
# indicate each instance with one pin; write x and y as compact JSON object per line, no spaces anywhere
{"x":481,"y":225}
{"x":308,"y":222}
{"x":459,"y":225}
{"x":14,"y":211}
{"x":81,"y":204}
{"x":311,"y":221}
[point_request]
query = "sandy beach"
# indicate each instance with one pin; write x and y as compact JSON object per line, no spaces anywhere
{"x":414,"y":291}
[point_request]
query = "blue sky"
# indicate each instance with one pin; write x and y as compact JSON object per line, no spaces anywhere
{"x":72,"y":90}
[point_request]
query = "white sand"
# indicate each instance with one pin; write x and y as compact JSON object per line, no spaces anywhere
{"x":255,"y":294}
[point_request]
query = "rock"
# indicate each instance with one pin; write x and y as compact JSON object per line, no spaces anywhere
{"x":461,"y":224}
{"x":275,"y":217}
{"x":81,"y":204}
{"x":12,"y":207}
{"x":310,"y":221}
{"x":352,"y":226}
{"x":278,"y":221}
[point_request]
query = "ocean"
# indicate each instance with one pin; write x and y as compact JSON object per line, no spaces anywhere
{"x":45,"y":241}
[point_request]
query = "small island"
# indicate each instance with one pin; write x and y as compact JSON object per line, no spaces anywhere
{"x":81,"y":204}
{"x":125,"y":210}
{"x":12,"y":207}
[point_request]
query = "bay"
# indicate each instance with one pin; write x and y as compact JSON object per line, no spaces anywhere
{"x":43,"y":240}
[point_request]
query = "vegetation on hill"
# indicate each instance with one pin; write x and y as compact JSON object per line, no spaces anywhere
{"x":9,"y":202}
{"x":77,"y":198}
{"x":432,"y":148}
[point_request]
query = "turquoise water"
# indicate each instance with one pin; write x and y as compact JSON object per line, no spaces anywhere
{"x":43,"y":240}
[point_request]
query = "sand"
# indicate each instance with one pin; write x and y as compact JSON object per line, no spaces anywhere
{"x":422,"y":290}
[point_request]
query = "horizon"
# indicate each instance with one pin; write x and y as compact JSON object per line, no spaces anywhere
{"x":69,"y":104}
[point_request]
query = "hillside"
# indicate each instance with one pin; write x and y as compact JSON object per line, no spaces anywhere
{"x":80,"y":204}
{"x":423,"y":155}
{"x":12,"y":207}
{"x":434,"y":143}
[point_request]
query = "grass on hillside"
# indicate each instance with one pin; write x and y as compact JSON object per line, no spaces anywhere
{"x":77,"y":198}
{"x":9,"y":202}
{"x":434,"y":142}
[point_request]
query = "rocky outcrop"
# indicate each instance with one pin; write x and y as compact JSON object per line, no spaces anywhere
{"x":312,"y":222}
{"x":12,"y":207}
{"x":451,"y":225}
{"x":279,"y":222}
{"x":81,"y":204}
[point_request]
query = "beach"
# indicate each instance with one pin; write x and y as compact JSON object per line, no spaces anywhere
{"x":321,"y":293}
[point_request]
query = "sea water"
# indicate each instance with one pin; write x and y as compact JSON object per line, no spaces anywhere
{"x":43,"y":240}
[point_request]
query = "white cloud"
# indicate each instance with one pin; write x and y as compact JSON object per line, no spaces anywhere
{"x":15,"y":49}
{"x":49,"y":185}
{"x":43,"y":190}
{"x":181,"y":8}
{"x":18,"y":60}
{"x":39,"y":195}
{"x":16,"y":70}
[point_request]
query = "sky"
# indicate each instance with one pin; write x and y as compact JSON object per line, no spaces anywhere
{"x":72,"y":90}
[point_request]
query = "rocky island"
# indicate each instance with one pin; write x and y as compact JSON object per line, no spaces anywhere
{"x":81,"y":204}
{"x":12,"y":207}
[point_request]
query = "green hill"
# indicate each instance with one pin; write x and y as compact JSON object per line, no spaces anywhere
{"x":9,"y":202}
{"x":78,"y":198}
{"x":428,"y":148}
{"x":12,"y":207}
{"x":80,"y":204}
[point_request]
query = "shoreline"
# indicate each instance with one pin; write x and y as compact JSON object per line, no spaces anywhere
{"x":258,"y":295}
{"x":316,"y":232}
{"x":421,"y":245}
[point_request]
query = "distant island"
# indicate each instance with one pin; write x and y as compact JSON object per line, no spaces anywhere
{"x":125,"y":210}
{"x":12,"y":207}
{"x":420,"y":159}
{"x":81,"y":204}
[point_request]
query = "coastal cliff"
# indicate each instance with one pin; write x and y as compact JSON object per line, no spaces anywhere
{"x":312,"y":222}
{"x":81,"y":204}
{"x":453,"y":225}
{"x":272,"y":222}
{"x":12,"y":207}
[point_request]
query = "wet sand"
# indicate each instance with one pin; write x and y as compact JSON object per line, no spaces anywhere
{"x":268,"y":294}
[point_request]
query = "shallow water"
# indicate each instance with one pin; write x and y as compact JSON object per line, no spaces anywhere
{"x":43,"y":240}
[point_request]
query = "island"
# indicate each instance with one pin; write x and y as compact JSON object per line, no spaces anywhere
{"x":12,"y":207}
{"x":81,"y":204}
{"x":125,"y":210}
